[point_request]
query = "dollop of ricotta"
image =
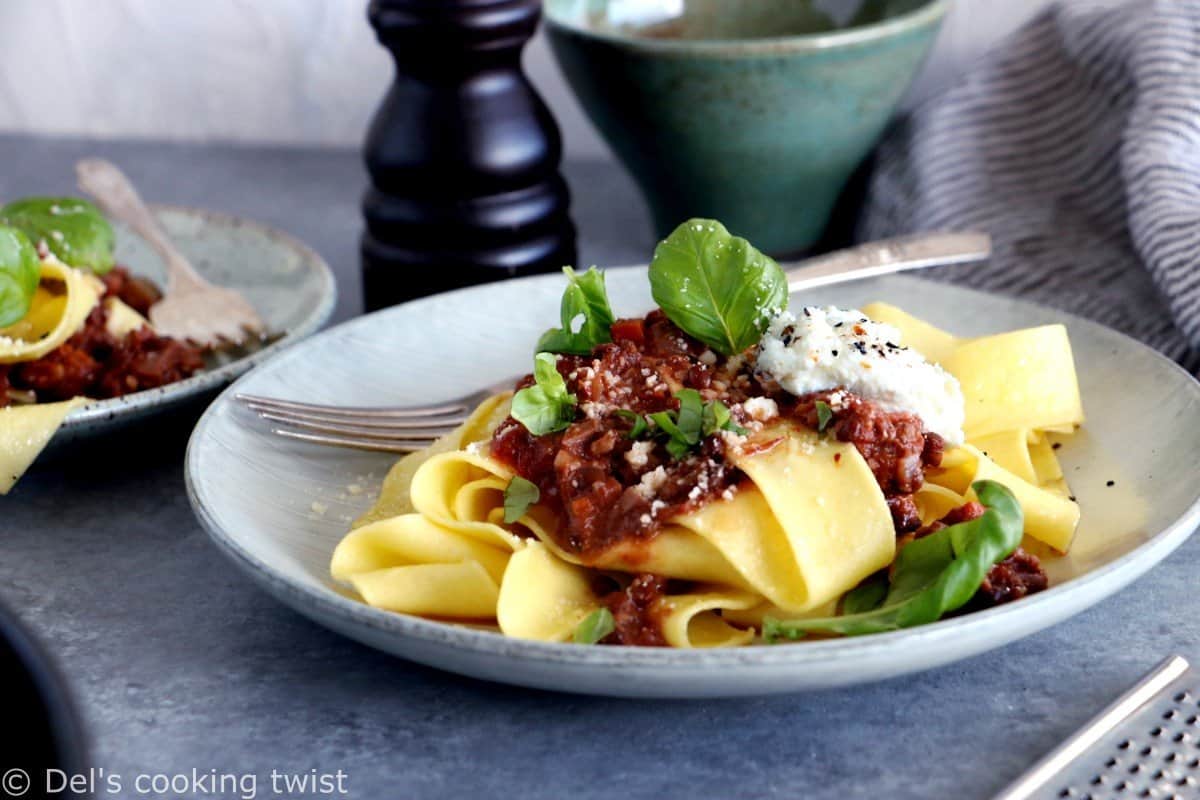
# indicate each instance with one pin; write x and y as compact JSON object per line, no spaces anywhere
{"x":825,"y":348}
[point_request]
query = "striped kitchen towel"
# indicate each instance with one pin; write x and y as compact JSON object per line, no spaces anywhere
{"x":1076,"y":144}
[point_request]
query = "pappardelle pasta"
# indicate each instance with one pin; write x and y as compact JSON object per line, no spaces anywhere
{"x":725,"y":471}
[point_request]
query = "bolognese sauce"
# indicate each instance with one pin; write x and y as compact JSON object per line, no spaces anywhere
{"x":612,"y":489}
{"x":95,"y":363}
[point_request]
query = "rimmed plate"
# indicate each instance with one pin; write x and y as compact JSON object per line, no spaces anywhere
{"x":290,"y":286}
{"x":278,"y":508}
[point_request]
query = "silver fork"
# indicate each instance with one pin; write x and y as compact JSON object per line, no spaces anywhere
{"x":408,"y":428}
{"x":191,"y":308}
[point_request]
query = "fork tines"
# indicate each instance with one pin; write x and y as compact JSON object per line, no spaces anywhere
{"x":395,"y":430}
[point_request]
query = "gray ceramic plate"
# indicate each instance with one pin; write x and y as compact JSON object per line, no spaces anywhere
{"x":278,"y":508}
{"x":290,"y":286}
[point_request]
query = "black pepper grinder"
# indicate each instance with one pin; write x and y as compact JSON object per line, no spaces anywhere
{"x":463,"y":155}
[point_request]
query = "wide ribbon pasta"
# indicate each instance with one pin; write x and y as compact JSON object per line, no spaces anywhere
{"x":1049,"y":517}
{"x":1018,"y":389}
{"x":59,"y":308}
{"x":54,"y":316}
{"x":24,"y":432}
{"x":1023,"y":379}
{"x":811,"y":524}
{"x":808,"y":524}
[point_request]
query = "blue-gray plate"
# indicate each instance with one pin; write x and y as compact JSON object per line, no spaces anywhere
{"x":278,"y":508}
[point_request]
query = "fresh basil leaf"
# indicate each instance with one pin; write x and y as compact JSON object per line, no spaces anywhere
{"x":519,"y":495}
{"x":678,"y":448}
{"x":690,"y":417}
{"x":595,"y":626}
{"x":933,"y":575}
{"x":546,"y":406}
{"x":73,"y":229}
{"x":19,"y":274}
{"x":695,"y":421}
{"x":824,"y":415}
{"x":717,"y":417}
{"x":586,"y":316}
{"x":867,"y":596}
{"x":678,"y":444}
{"x":639,"y":422}
{"x":716,"y":286}
{"x":665,"y":421}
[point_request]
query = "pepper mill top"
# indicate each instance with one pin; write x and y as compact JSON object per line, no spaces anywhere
{"x":463,"y":155}
{"x":455,"y":24}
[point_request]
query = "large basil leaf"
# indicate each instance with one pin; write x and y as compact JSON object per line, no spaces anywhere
{"x":19,"y":271}
{"x":716,"y":286}
{"x":73,"y":229}
{"x":586,"y":316}
{"x":933,"y":575}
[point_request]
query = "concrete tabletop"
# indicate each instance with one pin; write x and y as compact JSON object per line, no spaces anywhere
{"x":179,"y":664}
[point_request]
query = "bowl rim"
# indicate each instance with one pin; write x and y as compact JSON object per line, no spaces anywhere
{"x":321,"y":602}
{"x":929,"y":14}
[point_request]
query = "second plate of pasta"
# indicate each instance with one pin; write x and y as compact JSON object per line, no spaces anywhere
{"x":313,"y":525}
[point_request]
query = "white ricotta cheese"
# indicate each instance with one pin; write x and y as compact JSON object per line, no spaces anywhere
{"x":825,"y":348}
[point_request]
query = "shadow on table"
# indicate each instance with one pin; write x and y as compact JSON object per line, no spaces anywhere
{"x":151,"y":445}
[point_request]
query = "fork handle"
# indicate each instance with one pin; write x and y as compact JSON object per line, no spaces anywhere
{"x":888,"y":255}
{"x":114,"y":193}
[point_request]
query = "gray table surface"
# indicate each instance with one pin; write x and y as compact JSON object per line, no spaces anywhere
{"x":179,"y":663}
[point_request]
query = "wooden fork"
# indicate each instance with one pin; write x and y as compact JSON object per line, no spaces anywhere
{"x":191,"y":308}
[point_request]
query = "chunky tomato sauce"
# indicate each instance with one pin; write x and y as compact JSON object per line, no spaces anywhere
{"x":93,"y":363}
{"x":609,"y":487}
{"x":615,"y":490}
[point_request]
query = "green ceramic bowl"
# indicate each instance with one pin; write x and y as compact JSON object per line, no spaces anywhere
{"x":754,"y":113}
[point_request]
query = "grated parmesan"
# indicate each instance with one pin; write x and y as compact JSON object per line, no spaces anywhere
{"x":639,"y":453}
{"x":761,"y":409}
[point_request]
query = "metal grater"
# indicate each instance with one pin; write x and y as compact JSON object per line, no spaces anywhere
{"x":1144,"y":745}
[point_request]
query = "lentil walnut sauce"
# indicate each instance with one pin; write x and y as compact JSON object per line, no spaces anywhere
{"x":613,"y":489}
{"x":94,"y":363}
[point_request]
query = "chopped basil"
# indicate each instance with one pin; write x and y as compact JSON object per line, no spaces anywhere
{"x":824,"y":415}
{"x":718,"y":418}
{"x":931,"y":576}
{"x":639,"y":422}
{"x":690,"y":416}
{"x":716,"y":286}
{"x":595,"y":626}
{"x":19,"y":273}
{"x":695,"y":421}
{"x":586,"y":316}
{"x":546,"y":406}
{"x":519,"y":495}
{"x":679,"y":441}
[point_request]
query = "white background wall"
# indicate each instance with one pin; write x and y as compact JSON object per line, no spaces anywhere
{"x":295,"y":71}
